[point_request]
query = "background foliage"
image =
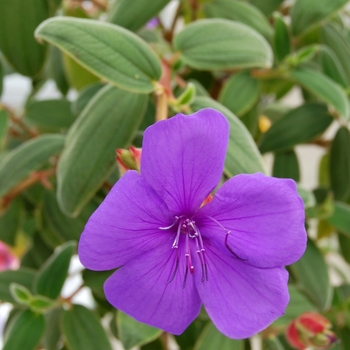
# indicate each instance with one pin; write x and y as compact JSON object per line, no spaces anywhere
{"x":57,"y":159}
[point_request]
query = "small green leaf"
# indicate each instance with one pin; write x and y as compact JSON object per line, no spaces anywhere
{"x":331,"y":66}
{"x":212,"y":339}
{"x":344,"y":245}
{"x":300,"y":125}
{"x":339,"y":164}
{"x":106,"y":50}
{"x":41,"y":304}
{"x":311,"y":273}
{"x":340,"y":218}
{"x":298,"y":304}
{"x":50,"y":114}
{"x":239,"y":93}
{"x":282,"y":44}
{"x":83,"y":330}
{"x":339,"y":44}
{"x":135,"y":16}
{"x":22,"y":276}
{"x":241,"y":12}
{"x":25,"y":332}
{"x":89,"y":154}
{"x":222,"y":44}
{"x":188,"y":95}
{"x":242,"y":154}
{"x":18,"y":163}
{"x":51,"y":276}
{"x":286,"y":165}
{"x":307,"y":196}
{"x":133,"y":333}
{"x":323,"y":87}
{"x":303,"y":55}
{"x":308,"y":13}
{"x":21,"y":294}
{"x":18,"y":21}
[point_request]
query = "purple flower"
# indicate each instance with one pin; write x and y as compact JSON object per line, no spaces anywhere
{"x":176,"y":255}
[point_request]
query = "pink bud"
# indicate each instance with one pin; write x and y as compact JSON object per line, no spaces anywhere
{"x":8,"y":261}
{"x":310,"y":329}
{"x":128,"y":159}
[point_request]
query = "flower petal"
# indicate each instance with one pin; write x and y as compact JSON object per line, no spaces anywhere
{"x":183,"y":158}
{"x":241,"y":299}
{"x":265,"y":216}
{"x":125,"y":225}
{"x":140,"y":289}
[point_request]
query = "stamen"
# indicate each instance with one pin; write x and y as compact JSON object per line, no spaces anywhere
{"x":172,"y":225}
{"x":226,"y":239}
{"x":175,"y":270}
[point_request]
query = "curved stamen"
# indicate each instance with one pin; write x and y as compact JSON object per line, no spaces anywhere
{"x":226,"y":239}
{"x":175,"y":270}
{"x":172,"y":225}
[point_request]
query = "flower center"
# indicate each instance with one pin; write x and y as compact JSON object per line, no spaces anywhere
{"x":187,"y":230}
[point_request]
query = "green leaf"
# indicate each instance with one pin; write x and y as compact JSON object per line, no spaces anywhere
{"x":222,"y":44}
{"x":21,"y":294}
{"x":344,"y":245}
{"x":30,"y":156}
{"x":339,"y":164}
{"x":239,"y":93}
{"x":22,"y":276}
{"x":242,"y":154}
{"x":298,"y":304}
{"x":64,"y":227}
{"x":4,"y":124}
{"x":55,"y":69}
{"x":95,"y":281}
{"x":241,"y":12}
{"x":331,"y":66}
{"x":53,"y":333}
{"x":212,"y":339}
{"x":10,"y":221}
{"x":300,"y":125}
{"x":311,"y":273}
{"x":323,"y":87}
{"x":89,"y":154}
{"x":323,"y":171}
{"x":51,"y":276}
{"x":307,"y":196}
{"x":133,"y":333}
{"x":18,"y":21}
{"x":266,"y":6}
{"x":106,"y":50}
{"x":50,"y":114}
{"x":286,"y":165}
{"x":282,"y":44}
{"x":83,"y":330}
{"x":41,"y":304}
{"x":340,"y":218}
{"x":308,"y":13}
{"x":135,"y":16}
{"x":25,"y":332}
{"x":340,"y":45}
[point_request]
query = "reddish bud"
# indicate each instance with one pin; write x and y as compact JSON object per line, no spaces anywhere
{"x":310,"y":329}
{"x":207,"y":200}
{"x":8,"y":261}
{"x":128,"y":159}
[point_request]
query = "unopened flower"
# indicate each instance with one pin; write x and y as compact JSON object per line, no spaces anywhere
{"x":175,"y":254}
{"x":8,"y":261}
{"x":310,"y":329}
{"x":128,"y":159}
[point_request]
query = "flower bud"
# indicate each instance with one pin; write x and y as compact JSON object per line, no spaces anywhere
{"x":310,"y":329}
{"x":128,"y":159}
{"x":8,"y":261}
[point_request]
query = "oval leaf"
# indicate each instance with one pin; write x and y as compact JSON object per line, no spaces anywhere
{"x":89,"y":153}
{"x":25,"y":332}
{"x":266,"y":6}
{"x":26,"y":158}
{"x":18,"y":20}
{"x":282,"y":44}
{"x":51,"y":276}
{"x":53,"y":333}
{"x":133,"y":333}
{"x":108,"y":51}
{"x":135,"y":16}
{"x":307,"y":13}
{"x":340,"y":218}
{"x":242,"y":154}
{"x":241,"y":12}
{"x":339,"y":164}
{"x":324,"y":88}
{"x":212,"y":339}
{"x":311,"y":273}
{"x":10,"y":222}
{"x":222,"y":44}
{"x":300,"y":125}
{"x":83,"y":330}
{"x":240,"y":93}
{"x":286,"y":165}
